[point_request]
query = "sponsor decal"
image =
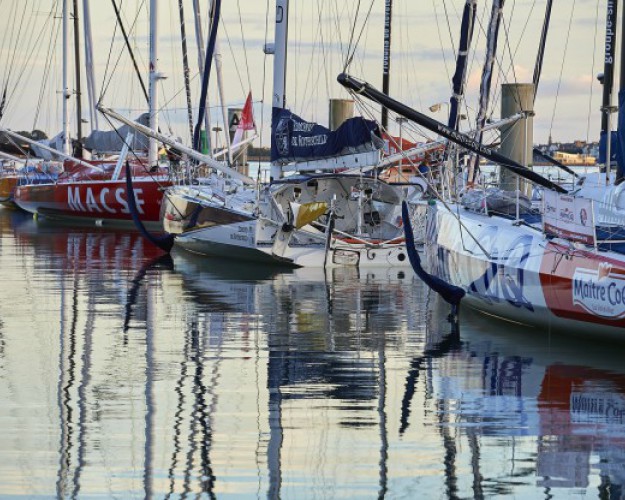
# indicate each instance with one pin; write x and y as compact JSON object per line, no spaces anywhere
{"x":599,"y":291}
{"x":568,"y":217}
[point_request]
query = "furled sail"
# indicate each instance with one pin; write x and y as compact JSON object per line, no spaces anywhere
{"x":103,"y":141}
{"x":460,"y":75}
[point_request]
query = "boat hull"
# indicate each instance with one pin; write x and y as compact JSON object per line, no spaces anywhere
{"x":102,"y":201}
{"x":515,"y":273}
{"x":239,"y":241}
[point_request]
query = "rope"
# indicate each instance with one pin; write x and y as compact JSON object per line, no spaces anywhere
{"x":247,"y":65}
{"x":566,"y":46}
{"x":351,"y":57}
{"x":129,"y":47}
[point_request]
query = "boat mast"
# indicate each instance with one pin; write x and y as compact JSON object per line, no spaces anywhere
{"x":153,"y":94}
{"x":386,"y":66}
{"x":608,"y":81}
{"x":222,"y":98}
{"x":538,"y":67}
{"x":487,"y":78}
{"x":212,"y":37}
{"x":78,"y":151}
{"x":89,"y":65}
{"x":201,"y":54}
{"x":620,"y":171}
{"x":460,"y":76}
{"x":279,"y":68}
{"x":185,"y":66}
{"x":66,"y":93}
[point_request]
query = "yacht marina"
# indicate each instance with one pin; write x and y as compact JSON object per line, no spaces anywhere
{"x":243,"y":256}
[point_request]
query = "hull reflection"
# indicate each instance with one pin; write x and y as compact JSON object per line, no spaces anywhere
{"x":127,"y":375}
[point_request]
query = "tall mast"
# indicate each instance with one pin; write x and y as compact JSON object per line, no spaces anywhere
{"x":279,"y":60}
{"x":210,"y":50}
{"x":620,"y":172}
{"x":89,"y":65}
{"x":541,"y":47}
{"x":487,"y":78}
{"x":460,"y":76}
{"x":608,"y":78}
{"x":278,"y":101}
{"x":222,"y":98}
{"x":153,"y":94}
{"x":66,"y":93}
{"x":78,"y":86}
{"x":386,"y":66}
{"x":201,"y":54}
{"x":185,"y":66}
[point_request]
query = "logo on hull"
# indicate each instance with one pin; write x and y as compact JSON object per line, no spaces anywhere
{"x":600,"y":292}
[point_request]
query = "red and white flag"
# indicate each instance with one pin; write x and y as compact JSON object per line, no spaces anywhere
{"x":246,"y":122}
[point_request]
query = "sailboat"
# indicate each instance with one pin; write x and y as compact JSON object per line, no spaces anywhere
{"x":95,"y":190}
{"x":550,"y":269}
{"x":313,"y":218}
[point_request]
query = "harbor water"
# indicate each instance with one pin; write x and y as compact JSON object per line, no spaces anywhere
{"x":126,"y":374}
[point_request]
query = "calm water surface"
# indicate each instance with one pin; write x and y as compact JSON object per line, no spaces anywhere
{"x":126,"y":375}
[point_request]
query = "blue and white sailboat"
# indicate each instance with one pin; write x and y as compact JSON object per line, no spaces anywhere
{"x":552,"y":269}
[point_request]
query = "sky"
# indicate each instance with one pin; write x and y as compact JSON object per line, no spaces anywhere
{"x":424,"y":35}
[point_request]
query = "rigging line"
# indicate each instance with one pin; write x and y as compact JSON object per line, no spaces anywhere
{"x":119,"y":56}
{"x":594,"y":51}
{"x":324,"y":54}
{"x":13,"y":45}
{"x":351,"y":36}
{"x":566,"y":46}
{"x":236,"y":65}
{"x":247,"y":65}
{"x":131,"y":151}
{"x":306,"y":96}
{"x":440,"y":41}
{"x":128,"y":46}
{"x":53,"y":40}
{"x":13,"y":50}
{"x":527,"y":21}
{"x":108,"y":61}
{"x":264,"y":87}
{"x":35,"y":43}
{"x":364,"y":24}
{"x":6,"y":32}
{"x":451,"y":37}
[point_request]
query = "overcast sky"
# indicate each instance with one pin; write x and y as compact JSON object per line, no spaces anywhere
{"x":424,"y":37}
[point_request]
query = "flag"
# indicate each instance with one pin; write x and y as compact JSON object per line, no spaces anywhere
{"x":246,"y":122}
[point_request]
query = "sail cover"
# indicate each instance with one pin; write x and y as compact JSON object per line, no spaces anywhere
{"x":620,"y":171}
{"x":103,"y":141}
{"x":294,"y":139}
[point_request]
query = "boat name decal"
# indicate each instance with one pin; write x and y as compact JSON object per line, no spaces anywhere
{"x":99,"y":203}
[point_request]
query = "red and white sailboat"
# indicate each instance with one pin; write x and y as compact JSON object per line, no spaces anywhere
{"x":95,"y":191}
{"x":97,"y":196}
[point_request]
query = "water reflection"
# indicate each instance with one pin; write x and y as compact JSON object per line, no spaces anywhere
{"x":123,"y":373}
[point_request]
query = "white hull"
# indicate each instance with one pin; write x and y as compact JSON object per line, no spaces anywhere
{"x":516,"y":273}
{"x":239,"y":241}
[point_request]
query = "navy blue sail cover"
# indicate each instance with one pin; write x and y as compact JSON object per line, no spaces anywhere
{"x":615,"y":149}
{"x":294,"y":139}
